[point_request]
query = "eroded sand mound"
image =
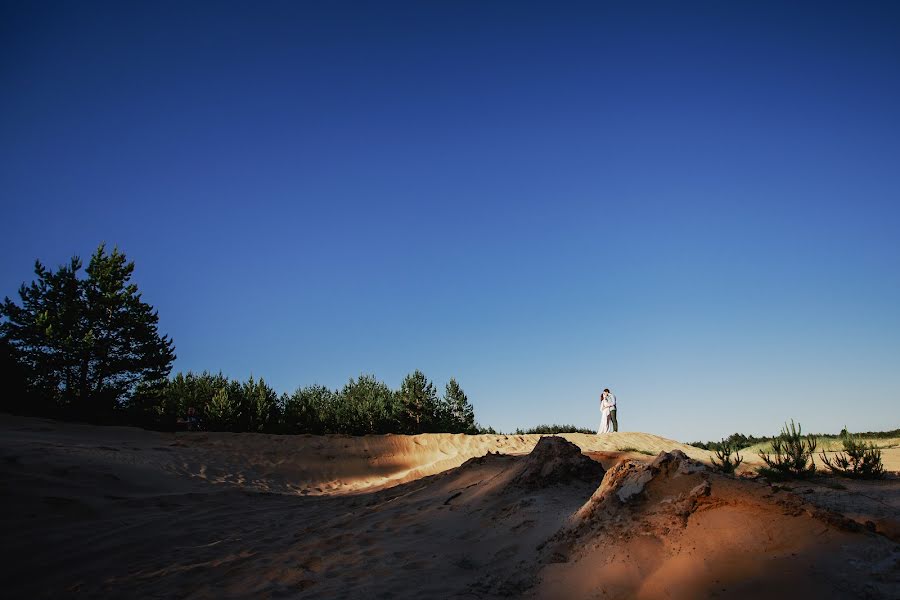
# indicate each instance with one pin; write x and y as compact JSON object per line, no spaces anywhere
{"x":673,"y":528}
{"x":679,"y":480}
{"x":556,"y":460}
{"x":119,"y":512}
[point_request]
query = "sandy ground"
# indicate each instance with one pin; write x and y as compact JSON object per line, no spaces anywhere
{"x":121,"y":512}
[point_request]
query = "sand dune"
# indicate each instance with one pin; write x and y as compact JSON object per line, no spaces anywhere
{"x":121,"y":512}
{"x":308,"y":464}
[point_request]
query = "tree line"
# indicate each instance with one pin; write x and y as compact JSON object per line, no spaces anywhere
{"x":553,"y":429}
{"x":86,"y":346}
{"x":738,"y":441}
{"x":364,"y":405}
{"x":735,"y":440}
{"x":78,"y":345}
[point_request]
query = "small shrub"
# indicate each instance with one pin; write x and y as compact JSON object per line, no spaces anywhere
{"x":860,"y":460}
{"x":636,"y":450}
{"x":792,"y":454}
{"x":725,"y":462}
{"x":553,"y":429}
{"x":736,"y":440}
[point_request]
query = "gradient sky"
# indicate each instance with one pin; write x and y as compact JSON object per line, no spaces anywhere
{"x":695,"y":204}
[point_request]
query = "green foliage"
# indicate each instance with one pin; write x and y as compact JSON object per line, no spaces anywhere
{"x":792,"y":454}
{"x":725,"y":462}
{"x":222,"y":404}
{"x":485,"y":430}
{"x":85,"y":344}
{"x":161,"y":405}
{"x":260,"y":407}
{"x":859,"y":460}
{"x":312,"y":409}
{"x":86,"y":347}
{"x":419,"y":409}
{"x":893,"y":433}
{"x":553,"y":429}
{"x":364,"y":406}
{"x":222,"y":412}
{"x":736,"y":441}
{"x":740,"y":441}
{"x":367,"y":405}
{"x":458,"y":416}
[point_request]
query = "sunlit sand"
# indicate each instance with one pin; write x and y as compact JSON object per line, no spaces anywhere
{"x":122,"y":512}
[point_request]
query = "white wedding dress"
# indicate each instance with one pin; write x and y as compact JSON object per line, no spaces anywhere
{"x":605,"y":421}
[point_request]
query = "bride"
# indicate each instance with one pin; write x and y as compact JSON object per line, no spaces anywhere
{"x":605,"y":409}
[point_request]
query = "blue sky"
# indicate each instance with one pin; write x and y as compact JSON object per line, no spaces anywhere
{"x":694,"y":204}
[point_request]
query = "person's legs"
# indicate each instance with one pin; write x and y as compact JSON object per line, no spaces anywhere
{"x":604,"y":423}
{"x":612,"y":417}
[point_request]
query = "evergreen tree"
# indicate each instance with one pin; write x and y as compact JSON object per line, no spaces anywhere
{"x":367,"y":405}
{"x":419,"y":404}
{"x":86,"y":344}
{"x":460,"y":415}
{"x":43,"y":334}
{"x":310,"y":410}
{"x":223,"y":411}
{"x":193,"y":391}
{"x":259,"y":407}
{"x":223,"y":404}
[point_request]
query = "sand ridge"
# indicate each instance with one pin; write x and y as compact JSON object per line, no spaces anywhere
{"x":121,"y":512}
{"x":674,"y":528}
{"x":301,"y":464}
{"x":314,"y":465}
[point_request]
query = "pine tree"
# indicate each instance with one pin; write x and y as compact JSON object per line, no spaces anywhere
{"x":419,"y":404}
{"x":162,"y":406}
{"x":259,"y":406}
{"x":85,"y":344}
{"x":366,"y":405}
{"x":460,"y":415}
{"x":126,"y":347}
{"x":223,"y":410}
{"x":310,"y":410}
{"x":43,"y":335}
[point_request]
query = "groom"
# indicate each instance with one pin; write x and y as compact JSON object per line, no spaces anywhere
{"x":608,"y":410}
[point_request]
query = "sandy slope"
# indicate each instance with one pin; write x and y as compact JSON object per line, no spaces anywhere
{"x":674,"y":529}
{"x":309,"y":464}
{"x":301,"y":464}
{"x":120,"y":512}
{"x":889,"y":448}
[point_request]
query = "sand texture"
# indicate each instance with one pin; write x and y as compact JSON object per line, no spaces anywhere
{"x":121,"y":512}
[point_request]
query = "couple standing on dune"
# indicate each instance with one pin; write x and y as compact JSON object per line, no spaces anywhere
{"x":608,"y":421}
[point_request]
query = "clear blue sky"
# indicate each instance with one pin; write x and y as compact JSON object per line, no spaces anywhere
{"x":695,"y":204}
